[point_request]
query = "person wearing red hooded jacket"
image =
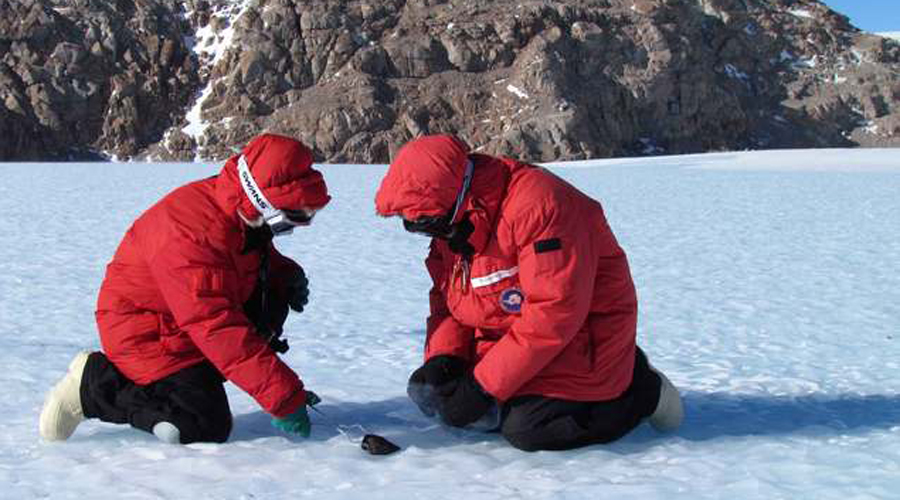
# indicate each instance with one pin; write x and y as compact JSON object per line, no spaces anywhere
{"x":533,"y":308}
{"x":195,"y":295}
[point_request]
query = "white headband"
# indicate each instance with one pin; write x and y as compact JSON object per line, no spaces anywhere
{"x":263,"y":205}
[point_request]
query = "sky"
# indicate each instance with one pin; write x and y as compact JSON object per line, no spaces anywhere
{"x":870,"y":15}
{"x":769,"y":289}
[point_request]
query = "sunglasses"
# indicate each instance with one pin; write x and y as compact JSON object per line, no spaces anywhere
{"x":284,"y":221}
{"x":435,"y":226}
{"x":281,"y":222}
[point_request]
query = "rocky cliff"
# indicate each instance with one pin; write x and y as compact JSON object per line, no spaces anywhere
{"x":354,"y":79}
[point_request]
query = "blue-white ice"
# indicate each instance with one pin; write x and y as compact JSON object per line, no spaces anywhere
{"x":769,"y":286}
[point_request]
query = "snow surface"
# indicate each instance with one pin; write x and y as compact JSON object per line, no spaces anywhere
{"x":802,"y":13}
{"x":517,"y":91}
{"x":769,"y":286}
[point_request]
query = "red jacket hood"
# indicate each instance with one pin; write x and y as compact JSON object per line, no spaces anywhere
{"x":282,"y":168}
{"x":424,"y":178}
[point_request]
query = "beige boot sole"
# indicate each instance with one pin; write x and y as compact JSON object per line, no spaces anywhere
{"x":669,"y":411}
{"x":62,"y":410}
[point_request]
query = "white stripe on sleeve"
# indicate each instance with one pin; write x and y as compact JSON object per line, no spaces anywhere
{"x":495,"y":277}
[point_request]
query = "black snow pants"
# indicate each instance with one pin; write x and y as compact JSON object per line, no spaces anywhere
{"x":533,"y":423}
{"x":193,"y":400}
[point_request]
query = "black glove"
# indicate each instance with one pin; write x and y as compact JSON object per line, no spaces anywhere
{"x":462,"y":401}
{"x":436,"y":372}
{"x":298,"y":291}
{"x":439,"y":370}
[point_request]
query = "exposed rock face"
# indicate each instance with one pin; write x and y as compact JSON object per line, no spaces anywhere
{"x":82,"y":77}
{"x":354,"y":79}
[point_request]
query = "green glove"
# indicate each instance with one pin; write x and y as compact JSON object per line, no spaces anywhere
{"x":298,"y":422}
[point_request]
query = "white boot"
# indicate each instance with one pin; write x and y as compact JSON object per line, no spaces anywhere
{"x":62,"y":409}
{"x":669,"y":410}
{"x":167,"y":432}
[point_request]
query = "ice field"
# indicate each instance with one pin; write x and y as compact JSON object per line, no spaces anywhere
{"x":769,"y":289}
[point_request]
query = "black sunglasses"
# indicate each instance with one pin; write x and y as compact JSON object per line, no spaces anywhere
{"x":436,"y":226}
{"x":300,"y":217}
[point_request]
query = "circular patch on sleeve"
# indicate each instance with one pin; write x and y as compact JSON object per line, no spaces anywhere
{"x":511,"y":300}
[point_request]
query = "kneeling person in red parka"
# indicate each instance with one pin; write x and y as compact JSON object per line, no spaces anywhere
{"x":196,"y":294}
{"x":533,"y":309}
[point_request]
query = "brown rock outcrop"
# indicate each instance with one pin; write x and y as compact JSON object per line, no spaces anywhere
{"x":538,"y":79}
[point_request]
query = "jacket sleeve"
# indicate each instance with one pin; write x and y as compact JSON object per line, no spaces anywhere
{"x":556,"y":273}
{"x":444,"y":335}
{"x":199,"y":286}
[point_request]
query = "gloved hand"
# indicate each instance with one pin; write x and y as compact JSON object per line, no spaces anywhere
{"x":298,"y":422}
{"x":298,"y":291}
{"x":295,"y":423}
{"x":437,"y":371}
{"x":462,"y":401}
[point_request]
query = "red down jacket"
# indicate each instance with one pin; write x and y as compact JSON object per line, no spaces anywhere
{"x":547,"y":305}
{"x":174,"y":292}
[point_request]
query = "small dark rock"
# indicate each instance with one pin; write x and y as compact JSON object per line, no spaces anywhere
{"x":377,"y":445}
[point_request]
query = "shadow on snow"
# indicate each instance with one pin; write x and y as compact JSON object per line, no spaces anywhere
{"x":707,"y":416}
{"x":397,"y":419}
{"x":713,"y":415}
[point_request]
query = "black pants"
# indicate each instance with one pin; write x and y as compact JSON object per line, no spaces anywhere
{"x":534,"y":423}
{"x":193,"y":400}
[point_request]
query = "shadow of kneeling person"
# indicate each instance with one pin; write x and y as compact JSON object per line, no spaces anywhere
{"x":714,"y":415}
{"x":707,"y":416}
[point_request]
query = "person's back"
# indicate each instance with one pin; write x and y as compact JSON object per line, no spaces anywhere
{"x":609,"y":329}
{"x":134,"y":319}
